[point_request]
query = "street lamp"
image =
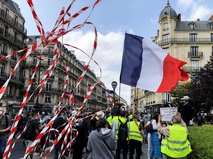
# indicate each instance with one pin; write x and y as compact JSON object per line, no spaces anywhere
{"x":39,"y":71}
{"x":114,"y":85}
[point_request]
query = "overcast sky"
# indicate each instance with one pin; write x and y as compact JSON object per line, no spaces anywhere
{"x":112,"y":18}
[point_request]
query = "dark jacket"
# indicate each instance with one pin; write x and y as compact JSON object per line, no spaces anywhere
{"x":187,"y":112}
{"x":59,"y":125}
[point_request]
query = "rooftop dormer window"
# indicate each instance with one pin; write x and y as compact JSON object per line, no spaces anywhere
{"x":192,"y":26}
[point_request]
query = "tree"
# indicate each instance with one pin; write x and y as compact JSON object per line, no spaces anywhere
{"x":181,"y":90}
{"x":202,"y":87}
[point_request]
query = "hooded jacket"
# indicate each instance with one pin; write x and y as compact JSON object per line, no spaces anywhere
{"x":96,"y":146}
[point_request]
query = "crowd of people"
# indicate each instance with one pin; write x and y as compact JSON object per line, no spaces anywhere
{"x":107,"y":135}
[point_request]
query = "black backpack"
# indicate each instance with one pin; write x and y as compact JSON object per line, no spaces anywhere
{"x":122,"y":131}
{"x":28,"y":133}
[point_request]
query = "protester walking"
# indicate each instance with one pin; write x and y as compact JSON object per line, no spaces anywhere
{"x":155,"y":149}
{"x":31,"y":131}
{"x":102,"y":142}
{"x":59,"y":125}
{"x":5,"y":125}
{"x":175,"y":145}
{"x":121,"y":130}
{"x":136,"y":136}
{"x":146,"y":119}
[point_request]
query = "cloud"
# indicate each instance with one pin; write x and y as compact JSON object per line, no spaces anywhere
{"x":195,"y":9}
{"x":185,"y":5}
{"x":108,"y":55}
{"x":200,"y":12}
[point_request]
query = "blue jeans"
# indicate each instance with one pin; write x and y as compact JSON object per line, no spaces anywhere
{"x":3,"y":143}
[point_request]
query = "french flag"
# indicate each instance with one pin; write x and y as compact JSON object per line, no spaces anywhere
{"x":146,"y":65}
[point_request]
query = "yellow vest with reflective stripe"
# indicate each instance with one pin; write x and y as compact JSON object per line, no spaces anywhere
{"x":134,"y":133}
{"x":123,"y":120}
{"x":177,"y":144}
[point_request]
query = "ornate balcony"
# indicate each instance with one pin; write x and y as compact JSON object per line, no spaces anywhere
{"x":195,"y":54}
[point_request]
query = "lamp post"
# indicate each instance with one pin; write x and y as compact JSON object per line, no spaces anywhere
{"x":114,"y":85}
{"x":39,"y":71}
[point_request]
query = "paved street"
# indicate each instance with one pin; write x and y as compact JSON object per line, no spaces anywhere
{"x":19,"y":150}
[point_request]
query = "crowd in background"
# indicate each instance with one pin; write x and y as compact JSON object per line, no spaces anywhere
{"x":99,"y":132}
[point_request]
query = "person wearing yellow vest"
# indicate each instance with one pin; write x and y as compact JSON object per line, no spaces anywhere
{"x":121,"y":144}
{"x":175,"y":145}
{"x":136,"y":136}
{"x":130,"y":116}
{"x":110,"y":118}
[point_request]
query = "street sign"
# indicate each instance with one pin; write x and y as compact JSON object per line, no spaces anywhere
{"x":114,"y":84}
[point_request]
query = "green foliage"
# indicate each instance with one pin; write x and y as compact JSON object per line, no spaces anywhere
{"x":181,"y":90}
{"x":202,"y":87}
{"x":201,"y":139}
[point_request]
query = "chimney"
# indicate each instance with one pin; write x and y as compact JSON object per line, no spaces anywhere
{"x":179,"y":17}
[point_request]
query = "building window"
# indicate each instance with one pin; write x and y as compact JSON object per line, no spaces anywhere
{"x":193,"y":37}
{"x":50,"y":49}
{"x":4,"y":49}
{"x":192,"y":26}
{"x":211,"y":26}
{"x":194,"y":65}
{"x":6,"y":31}
{"x":15,"y":36}
{"x":166,"y":38}
{"x":47,"y":98}
{"x":194,"y":51}
{"x":211,"y":37}
{"x":35,"y":59}
{"x":6,"y":12}
{"x":165,"y":26}
{"x":16,"y":20}
{"x":212,"y":51}
{"x":2,"y":66}
{"x":50,"y":60}
{"x":48,"y":86}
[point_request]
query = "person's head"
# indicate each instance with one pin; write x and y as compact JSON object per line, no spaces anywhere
{"x":1,"y":111}
{"x":148,"y":111}
{"x":101,"y":123}
{"x":99,"y":115}
{"x":34,"y":114}
{"x":185,"y":99}
{"x":135,"y":117}
{"x":155,"y":116}
{"x":176,"y":119}
{"x":43,"y":113}
{"x":122,"y":113}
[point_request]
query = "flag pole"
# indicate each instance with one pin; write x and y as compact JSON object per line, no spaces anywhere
{"x":119,"y":92}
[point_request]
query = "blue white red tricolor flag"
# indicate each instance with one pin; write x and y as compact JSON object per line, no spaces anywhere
{"x":146,"y":65}
{"x":72,"y":98}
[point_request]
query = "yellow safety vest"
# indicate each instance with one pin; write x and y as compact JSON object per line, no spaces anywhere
{"x":130,"y":116}
{"x":115,"y":118}
{"x":177,"y":144}
{"x":109,"y":120}
{"x":123,"y":120}
{"x":134,"y":132}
